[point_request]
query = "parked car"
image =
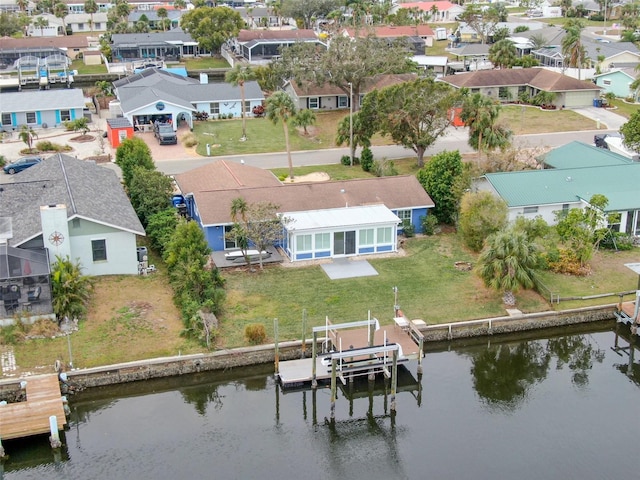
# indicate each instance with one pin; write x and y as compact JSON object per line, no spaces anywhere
{"x":165,"y":134}
{"x":21,"y":164}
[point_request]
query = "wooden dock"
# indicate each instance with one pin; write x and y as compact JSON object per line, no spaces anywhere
{"x":31,"y":417}
{"x":296,"y":373}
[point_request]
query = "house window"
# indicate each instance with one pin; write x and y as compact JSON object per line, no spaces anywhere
{"x":303,"y":243}
{"x":503,"y":93}
{"x":365,"y":237}
{"x":343,"y":102}
{"x":6,"y":119}
{"x":522,"y":89}
{"x":404,"y":215}
{"x":81,"y":26}
{"x":229,"y":240}
{"x":75,"y":223}
{"x":530,"y":210}
{"x":65,"y":115}
{"x":247,"y":106}
{"x":606,"y":82}
{"x":214,"y":108}
{"x":475,"y":90}
{"x":384,"y":235}
{"x":31,"y":117}
{"x":323,"y":241}
{"x":99,"y":249}
{"x":565,"y":208}
{"x":314,"y":103}
{"x":98,"y":26}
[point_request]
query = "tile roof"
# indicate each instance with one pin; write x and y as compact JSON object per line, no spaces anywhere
{"x":540,"y":78}
{"x":213,"y":197}
{"x":619,"y":183}
{"x":88,"y":190}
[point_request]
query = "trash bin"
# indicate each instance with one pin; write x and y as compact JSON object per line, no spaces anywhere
{"x":142,"y":252}
{"x":597,"y":102}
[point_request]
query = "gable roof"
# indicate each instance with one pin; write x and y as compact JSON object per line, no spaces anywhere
{"x":579,"y":155}
{"x":619,"y":183}
{"x":153,"y":84}
{"x":28,"y":100}
{"x":256,"y":185}
{"x":372,"y":83}
{"x":88,"y":190}
{"x":67,"y":41}
{"x":540,"y":78}
{"x":629,"y":72}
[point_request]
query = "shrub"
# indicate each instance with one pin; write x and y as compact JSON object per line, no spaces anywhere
{"x":258,"y":111}
{"x":255,"y":333}
{"x":429,"y":224}
{"x":384,"y":168}
{"x":282,"y":177}
{"x":189,"y":140}
{"x":345,"y":160}
{"x":481,"y":214}
{"x":366,"y":159}
{"x":3,"y":161}
{"x":48,"y":146}
{"x":408,"y":229}
{"x":617,"y":241}
{"x":568,"y":263}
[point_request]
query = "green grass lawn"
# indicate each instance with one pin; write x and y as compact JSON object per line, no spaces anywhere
{"x":430,"y":287}
{"x":524,"y":119}
{"x":202,"y":63}
{"x":625,"y":109}
{"x":87,"y":69}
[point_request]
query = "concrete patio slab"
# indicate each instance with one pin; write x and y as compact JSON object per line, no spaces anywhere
{"x":343,"y":268}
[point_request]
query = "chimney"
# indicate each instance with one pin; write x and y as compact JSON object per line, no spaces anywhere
{"x":55,"y":230}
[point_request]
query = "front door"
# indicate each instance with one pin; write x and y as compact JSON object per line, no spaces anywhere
{"x":344,"y":243}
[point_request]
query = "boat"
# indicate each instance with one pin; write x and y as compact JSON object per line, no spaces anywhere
{"x":254,"y":255}
{"x":616,"y":145}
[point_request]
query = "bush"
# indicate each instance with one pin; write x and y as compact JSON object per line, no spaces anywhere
{"x":429,"y":224}
{"x":568,"y":263}
{"x":345,"y":160}
{"x":408,"y":229}
{"x":255,"y":333}
{"x":617,"y":241}
{"x":258,"y":111}
{"x":366,"y":160}
{"x":3,"y":161}
{"x":189,"y":140}
{"x":48,"y":146}
{"x":384,"y":168}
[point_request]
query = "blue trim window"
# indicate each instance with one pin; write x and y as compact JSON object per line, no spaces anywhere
{"x":6,"y":119}
{"x":31,"y":118}
{"x":65,"y":115}
{"x":404,"y":215}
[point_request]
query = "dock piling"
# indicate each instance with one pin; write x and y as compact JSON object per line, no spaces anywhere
{"x":1,"y":449}
{"x":334,"y":392}
{"x":275,"y":338}
{"x":394,"y":380}
{"x":304,"y":327}
{"x":54,"y":439}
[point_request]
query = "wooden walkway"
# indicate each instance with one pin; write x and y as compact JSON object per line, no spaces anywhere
{"x":31,"y":417}
{"x":294,"y":373}
{"x":629,"y":309}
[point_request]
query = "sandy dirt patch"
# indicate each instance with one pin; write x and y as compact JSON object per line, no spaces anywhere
{"x":310,"y":177}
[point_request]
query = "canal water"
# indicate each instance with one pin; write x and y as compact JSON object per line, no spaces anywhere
{"x":555,"y":407}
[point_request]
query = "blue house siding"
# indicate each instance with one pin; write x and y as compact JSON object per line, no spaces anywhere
{"x":416,"y":213}
{"x":615,"y":82}
{"x":215,"y":237}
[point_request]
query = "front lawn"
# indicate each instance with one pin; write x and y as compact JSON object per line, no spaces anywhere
{"x":204,"y":63}
{"x":87,"y":69}
{"x":625,"y":109}
{"x":526,"y":119}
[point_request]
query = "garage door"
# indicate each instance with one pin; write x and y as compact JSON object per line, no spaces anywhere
{"x":579,"y":99}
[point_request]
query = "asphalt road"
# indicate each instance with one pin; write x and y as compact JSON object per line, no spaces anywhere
{"x":456,"y":139}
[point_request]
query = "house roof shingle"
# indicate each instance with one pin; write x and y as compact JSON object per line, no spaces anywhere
{"x":42,"y":100}
{"x":88,"y":190}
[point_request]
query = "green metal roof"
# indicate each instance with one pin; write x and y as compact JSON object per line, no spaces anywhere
{"x":578,"y":154}
{"x":619,"y":183}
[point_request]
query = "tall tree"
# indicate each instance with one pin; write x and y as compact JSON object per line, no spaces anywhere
{"x":414,"y":114}
{"x":150,"y":192}
{"x":481,"y":21}
{"x":305,"y":11}
{"x":631,"y":129}
{"x":481,"y":214}
{"x":211,"y":27}
{"x":509,"y":261}
{"x":162,"y":15}
{"x":439,"y":178}
{"x":573,"y":50}
{"x":22,"y":5}
{"x":280,"y":107}
{"x":60,"y":10}
{"x":70,"y":290}
{"x":133,"y":152}
{"x":237,"y":77}
{"x":360,"y":128}
{"x":91,"y":7}
{"x":180,"y":4}
{"x":503,"y":54}
{"x":41,"y":23}
{"x":347,"y":63}
{"x":480,"y":113}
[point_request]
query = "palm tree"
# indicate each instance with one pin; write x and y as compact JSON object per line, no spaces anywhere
{"x":573,"y":50}
{"x":60,"y":10}
{"x":434,"y":12}
{"x":509,"y":261}
{"x":480,"y":113}
{"x":41,"y":23}
{"x":304,"y":119}
{"x":162,"y":15}
{"x":27,"y":135}
{"x":22,"y":4}
{"x":281,"y":107}
{"x":237,"y":77}
{"x":70,"y":289}
{"x":179,"y":4}
{"x":91,"y":7}
{"x":537,"y":41}
{"x":503,"y":53}
{"x":239,"y":209}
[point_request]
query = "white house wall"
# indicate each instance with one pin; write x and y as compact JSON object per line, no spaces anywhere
{"x":121,"y":253}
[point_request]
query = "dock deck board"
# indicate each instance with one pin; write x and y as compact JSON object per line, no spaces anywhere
{"x":31,"y":417}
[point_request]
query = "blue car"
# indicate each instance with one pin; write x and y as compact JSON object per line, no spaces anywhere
{"x":21,"y":164}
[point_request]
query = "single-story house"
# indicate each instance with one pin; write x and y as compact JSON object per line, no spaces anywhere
{"x":440,"y":11}
{"x":260,"y":16}
{"x":328,"y":219}
{"x":261,"y":46}
{"x":474,"y":56}
{"x":76,"y":208}
{"x":435,"y":64}
{"x":419,"y":36}
{"x":618,"y":81}
{"x":171,"y":45}
{"x":611,"y":54}
{"x":81,"y":22}
{"x":331,"y":97}
{"x":157,"y":94}
{"x":40,"y":108}
{"x":154,"y":21}
{"x":578,"y":155}
{"x":509,"y":83}
{"x":533,"y":193}
{"x":11,"y":49}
